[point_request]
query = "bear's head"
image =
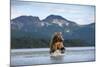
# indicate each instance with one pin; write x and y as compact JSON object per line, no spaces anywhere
{"x":57,"y":37}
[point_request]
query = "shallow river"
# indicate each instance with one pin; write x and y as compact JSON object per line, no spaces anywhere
{"x":23,"y":57}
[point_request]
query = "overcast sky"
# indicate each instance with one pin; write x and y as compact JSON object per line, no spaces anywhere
{"x":78,"y":13}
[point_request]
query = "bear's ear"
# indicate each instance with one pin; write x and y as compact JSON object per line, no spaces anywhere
{"x":55,"y":33}
{"x":60,"y":32}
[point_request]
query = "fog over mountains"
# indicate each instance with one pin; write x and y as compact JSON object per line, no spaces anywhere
{"x":32,"y":26}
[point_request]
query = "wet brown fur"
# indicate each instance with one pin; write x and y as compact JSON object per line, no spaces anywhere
{"x":57,"y":42}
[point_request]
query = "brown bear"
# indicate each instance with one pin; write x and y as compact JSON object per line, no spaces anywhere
{"x":57,"y":42}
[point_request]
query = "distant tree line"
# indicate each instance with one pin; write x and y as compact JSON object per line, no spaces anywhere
{"x":27,"y":42}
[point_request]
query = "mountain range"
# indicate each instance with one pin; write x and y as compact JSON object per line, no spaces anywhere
{"x":32,"y":26}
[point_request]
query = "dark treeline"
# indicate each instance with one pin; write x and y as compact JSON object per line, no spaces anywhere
{"x":26,"y":42}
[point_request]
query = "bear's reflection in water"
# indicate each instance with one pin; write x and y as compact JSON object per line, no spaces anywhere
{"x":57,"y":59}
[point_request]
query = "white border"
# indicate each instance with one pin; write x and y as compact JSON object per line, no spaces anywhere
{"x":5,"y":32}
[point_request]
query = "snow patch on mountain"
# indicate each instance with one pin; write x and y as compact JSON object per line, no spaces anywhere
{"x":42,"y":24}
{"x":67,"y":31}
{"x":67,"y":24}
{"x":56,"y":21}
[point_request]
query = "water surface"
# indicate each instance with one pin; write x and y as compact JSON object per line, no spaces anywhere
{"x":41,"y":56}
